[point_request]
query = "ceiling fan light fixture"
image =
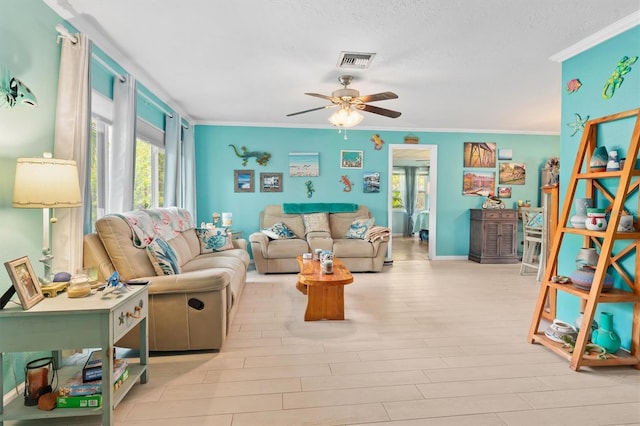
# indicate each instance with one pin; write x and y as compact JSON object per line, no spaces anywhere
{"x":345,"y":117}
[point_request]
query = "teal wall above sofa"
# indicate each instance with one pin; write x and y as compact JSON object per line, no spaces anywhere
{"x":216,"y":162}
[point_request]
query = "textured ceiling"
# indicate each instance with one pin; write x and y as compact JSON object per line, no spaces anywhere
{"x":456,"y":64}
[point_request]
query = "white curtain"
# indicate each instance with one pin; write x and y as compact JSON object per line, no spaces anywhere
{"x":119,"y":188}
{"x":189,"y":161}
{"x":172,"y":169}
{"x":71,"y":141}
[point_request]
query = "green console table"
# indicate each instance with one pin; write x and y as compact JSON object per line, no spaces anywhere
{"x":57,"y":323}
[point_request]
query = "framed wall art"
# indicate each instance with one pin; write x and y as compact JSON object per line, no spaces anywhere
{"x":480,"y":154}
{"x":270,"y":182}
{"x":478,"y":183}
{"x":304,"y":164}
{"x":371,"y":182}
{"x":351,"y":159}
{"x":505,"y":154}
{"x":243,"y":181}
{"x":24,"y":281}
{"x":504,"y":192}
{"x":512,"y":173}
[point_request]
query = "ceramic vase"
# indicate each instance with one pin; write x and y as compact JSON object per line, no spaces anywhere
{"x":596,"y":220}
{"x":599,"y":159}
{"x":587,"y":257}
{"x":604,"y":335}
{"x":583,"y":279}
{"x":613,"y":164}
{"x":594,"y":325}
{"x":580,"y":206}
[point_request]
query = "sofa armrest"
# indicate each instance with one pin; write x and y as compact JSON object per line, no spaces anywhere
{"x":189,"y":282}
{"x":260,"y":241}
{"x":240,"y":243}
{"x":378,"y":243}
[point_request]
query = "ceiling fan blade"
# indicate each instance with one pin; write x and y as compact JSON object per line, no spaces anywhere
{"x":378,"y":110}
{"x":318,"y":95}
{"x":309,"y":110}
{"x":378,"y":97}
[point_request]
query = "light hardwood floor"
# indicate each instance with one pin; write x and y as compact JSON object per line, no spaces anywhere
{"x":423,"y":343}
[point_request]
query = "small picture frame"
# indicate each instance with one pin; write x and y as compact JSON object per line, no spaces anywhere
{"x":25,"y":282}
{"x":270,"y":182}
{"x":504,"y":192}
{"x":243,"y":181}
{"x":351,"y":159}
{"x":371,"y":182}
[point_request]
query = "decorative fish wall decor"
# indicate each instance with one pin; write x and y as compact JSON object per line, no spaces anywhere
{"x":14,"y":92}
{"x":573,"y":85}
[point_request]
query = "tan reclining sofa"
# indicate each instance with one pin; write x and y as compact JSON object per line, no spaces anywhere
{"x":191,"y":310}
{"x":279,"y":255}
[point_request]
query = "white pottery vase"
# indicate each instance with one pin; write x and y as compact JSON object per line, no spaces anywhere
{"x":596,"y":220}
{"x":587,"y":257}
{"x":580,"y":207}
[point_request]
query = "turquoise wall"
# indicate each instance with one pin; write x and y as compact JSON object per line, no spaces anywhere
{"x":593,"y":67}
{"x":29,"y":50}
{"x":216,"y":163}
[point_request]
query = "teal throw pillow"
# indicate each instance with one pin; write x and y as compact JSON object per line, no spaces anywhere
{"x":163,"y":257}
{"x":359,"y":228}
{"x":278,"y":231}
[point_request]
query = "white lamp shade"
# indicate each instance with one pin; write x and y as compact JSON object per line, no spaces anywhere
{"x":227,"y":219}
{"x":46,"y":183}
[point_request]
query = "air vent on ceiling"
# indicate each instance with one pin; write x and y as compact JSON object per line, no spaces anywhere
{"x":355,"y":60}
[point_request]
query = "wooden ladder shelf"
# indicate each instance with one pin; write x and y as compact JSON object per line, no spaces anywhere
{"x":597,"y":186}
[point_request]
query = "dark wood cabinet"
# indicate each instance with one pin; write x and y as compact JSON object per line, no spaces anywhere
{"x":493,"y":236}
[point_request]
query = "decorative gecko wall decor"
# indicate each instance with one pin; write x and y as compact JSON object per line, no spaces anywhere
{"x":616,"y":79}
{"x":262,"y":158}
{"x":310,"y":189}
{"x":346,"y":182}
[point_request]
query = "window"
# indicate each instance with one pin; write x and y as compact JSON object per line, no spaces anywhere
{"x":101,"y":130}
{"x":397,"y":189}
{"x":148,"y":189}
{"x":422,"y":189}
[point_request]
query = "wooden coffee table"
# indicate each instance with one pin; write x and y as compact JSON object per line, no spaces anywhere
{"x":325,"y":292}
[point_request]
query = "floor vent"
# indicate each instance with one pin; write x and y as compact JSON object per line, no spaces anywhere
{"x":355,"y":60}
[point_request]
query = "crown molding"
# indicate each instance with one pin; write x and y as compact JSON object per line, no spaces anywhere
{"x":604,"y":34}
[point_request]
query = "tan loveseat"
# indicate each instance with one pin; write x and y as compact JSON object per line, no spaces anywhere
{"x":279,"y":255}
{"x":191,"y":310}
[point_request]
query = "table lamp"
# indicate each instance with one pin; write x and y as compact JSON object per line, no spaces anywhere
{"x":45,"y":183}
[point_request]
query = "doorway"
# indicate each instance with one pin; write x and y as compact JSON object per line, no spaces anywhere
{"x":423,"y":157}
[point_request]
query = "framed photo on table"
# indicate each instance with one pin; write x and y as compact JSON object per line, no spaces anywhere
{"x":24,"y":281}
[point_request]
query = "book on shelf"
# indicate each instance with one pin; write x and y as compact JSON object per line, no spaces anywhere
{"x":76,"y":386}
{"x":92,"y":369}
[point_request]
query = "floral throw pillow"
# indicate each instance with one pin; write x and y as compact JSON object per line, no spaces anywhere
{"x":278,"y":231}
{"x":316,"y":222}
{"x":214,"y":239}
{"x":359,"y":228}
{"x":163,"y":258}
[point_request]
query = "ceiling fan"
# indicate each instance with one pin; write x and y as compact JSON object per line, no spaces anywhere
{"x":348,"y":100}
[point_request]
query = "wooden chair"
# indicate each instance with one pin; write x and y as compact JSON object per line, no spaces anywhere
{"x":534,"y":241}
